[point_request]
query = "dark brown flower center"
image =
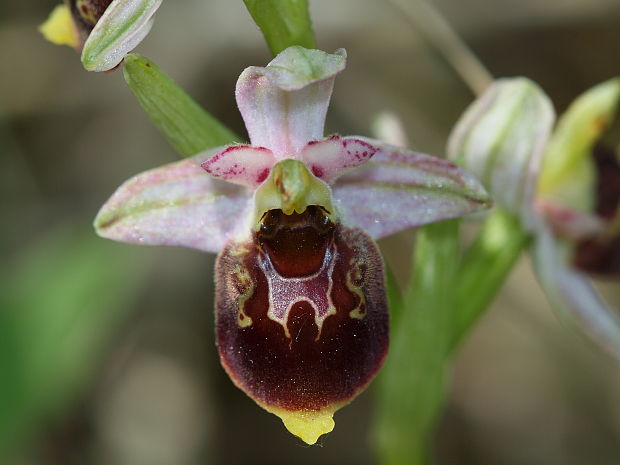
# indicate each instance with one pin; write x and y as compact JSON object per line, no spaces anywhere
{"x":296,"y":243}
{"x":601,"y":255}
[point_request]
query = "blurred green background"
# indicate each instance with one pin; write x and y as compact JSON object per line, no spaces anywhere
{"x":106,"y":350}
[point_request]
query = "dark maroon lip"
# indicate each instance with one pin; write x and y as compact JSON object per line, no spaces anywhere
{"x":608,"y":182}
{"x":600,"y":256}
{"x":327,"y":337}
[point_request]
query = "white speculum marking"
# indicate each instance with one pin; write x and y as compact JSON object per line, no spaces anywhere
{"x":286,"y":292}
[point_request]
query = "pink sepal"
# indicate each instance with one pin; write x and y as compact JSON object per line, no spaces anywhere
{"x":178,"y":205}
{"x":284,"y":104}
{"x":399,"y":189}
{"x":571,"y":293}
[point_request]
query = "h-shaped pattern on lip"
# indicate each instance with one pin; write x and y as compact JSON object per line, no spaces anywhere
{"x":284,"y":292}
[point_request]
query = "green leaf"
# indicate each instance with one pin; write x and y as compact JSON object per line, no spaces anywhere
{"x":484,"y":268}
{"x":284,"y":23}
{"x":411,"y":387}
{"x":186,"y":125}
{"x":60,"y":300}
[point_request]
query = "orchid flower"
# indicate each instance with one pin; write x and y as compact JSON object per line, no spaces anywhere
{"x":104,"y":31}
{"x":301,"y":311}
{"x":563,"y":184}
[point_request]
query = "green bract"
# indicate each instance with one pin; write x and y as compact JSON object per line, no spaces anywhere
{"x":123,"y":26}
{"x":186,"y":125}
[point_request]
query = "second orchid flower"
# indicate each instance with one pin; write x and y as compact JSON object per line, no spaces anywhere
{"x":563,"y":184}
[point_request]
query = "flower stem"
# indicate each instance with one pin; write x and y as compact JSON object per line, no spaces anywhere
{"x":411,"y":388}
{"x":283,"y":23}
{"x":444,"y":39}
{"x":484,"y":268}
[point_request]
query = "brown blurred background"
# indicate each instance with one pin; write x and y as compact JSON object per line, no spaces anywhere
{"x":137,"y":380}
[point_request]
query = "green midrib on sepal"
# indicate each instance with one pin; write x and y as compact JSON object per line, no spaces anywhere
{"x":109,"y":218}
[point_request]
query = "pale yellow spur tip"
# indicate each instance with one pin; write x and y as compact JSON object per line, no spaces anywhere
{"x":307,"y":425}
{"x":59,"y":28}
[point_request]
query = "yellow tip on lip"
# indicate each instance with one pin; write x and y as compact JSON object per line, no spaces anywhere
{"x":59,"y":28}
{"x":308,"y":425}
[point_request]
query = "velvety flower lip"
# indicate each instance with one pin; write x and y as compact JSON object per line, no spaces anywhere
{"x":104,"y":31}
{"x":301,"y":311}
{"x":552,"y":180}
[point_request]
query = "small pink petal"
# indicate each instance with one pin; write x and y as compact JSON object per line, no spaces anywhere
{"x":330,"y":158}
{"x":178,"y":205}
{"x":569,"y":223}
{"x":572,"y":295}
{"x":241,"y":164}
{"x":399,"y":189}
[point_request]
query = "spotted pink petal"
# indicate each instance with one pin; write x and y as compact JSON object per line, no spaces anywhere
{"x":571,"y":293}
{"x":399,"y":189}
{"x":330,"y":158}
{"x":178,"y":205}
{"x":241,"y":164}
{"x":284,"y":104}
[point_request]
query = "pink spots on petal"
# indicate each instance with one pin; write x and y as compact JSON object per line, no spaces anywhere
{"x":357,"y":152}
{"x":241,"y":164}
{"x":262,"y":175}
{"x":317,"y":171}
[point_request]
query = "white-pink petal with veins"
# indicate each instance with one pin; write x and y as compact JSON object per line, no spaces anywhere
{"x":399,"y":189}
{"x":178,"y":205}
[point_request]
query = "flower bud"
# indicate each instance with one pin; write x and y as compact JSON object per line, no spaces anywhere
{"x":500,"y":139}
{"x":103,"y":30}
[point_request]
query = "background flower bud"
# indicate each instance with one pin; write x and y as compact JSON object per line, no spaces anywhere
{"x":500,"y":138}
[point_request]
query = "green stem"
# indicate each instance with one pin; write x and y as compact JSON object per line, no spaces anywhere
{"x":485,"y":267}
{"x":440,"y":35}
{"x":284,"y":23}
{"x":411,"y":389}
